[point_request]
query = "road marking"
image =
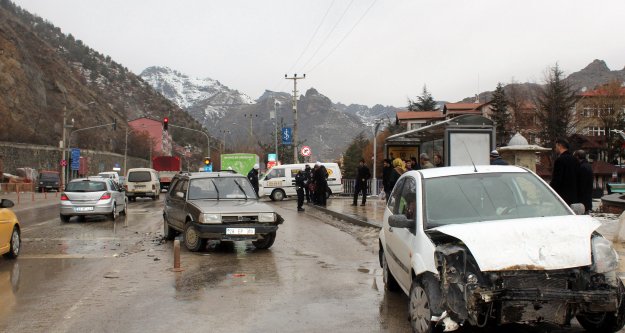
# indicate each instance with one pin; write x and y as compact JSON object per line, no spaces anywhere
{"x":38,"y":224}
{"x":65,"y":256}
{"x":70,"y":239}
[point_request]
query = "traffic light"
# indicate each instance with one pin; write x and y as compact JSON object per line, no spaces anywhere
{"x":114,"y":124}
{"x":165,"y":123}
{"x":207,"y":160}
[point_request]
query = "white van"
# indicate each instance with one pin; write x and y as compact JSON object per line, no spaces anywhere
{"x":111,"y":175}
{"x":142,"y":182}
{"x":279,"y":182}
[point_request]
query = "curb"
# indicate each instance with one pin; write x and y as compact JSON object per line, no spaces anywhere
{"x":345,"y":217}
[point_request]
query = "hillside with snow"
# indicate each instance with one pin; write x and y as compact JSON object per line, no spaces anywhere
{"x":205,"y":99}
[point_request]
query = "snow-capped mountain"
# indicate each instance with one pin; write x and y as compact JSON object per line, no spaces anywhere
{"x":368,"y":115}
{"x":205,"y":99}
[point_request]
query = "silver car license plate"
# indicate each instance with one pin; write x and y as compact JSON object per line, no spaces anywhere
{"x":83,"y":209}
{"x":240,"y":231}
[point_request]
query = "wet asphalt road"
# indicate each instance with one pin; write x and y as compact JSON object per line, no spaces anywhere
{"x":95,"y":275}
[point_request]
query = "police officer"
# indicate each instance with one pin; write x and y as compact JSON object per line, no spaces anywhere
{"x":300,"y":184}
{"x":308,"y":174}
{"x":253,"y":177}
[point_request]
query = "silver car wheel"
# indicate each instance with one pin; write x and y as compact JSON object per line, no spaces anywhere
{"x":15,"y":242}
{"x":420,"y":313}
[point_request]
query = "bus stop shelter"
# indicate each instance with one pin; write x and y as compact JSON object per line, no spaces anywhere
{"x":462,"y":140}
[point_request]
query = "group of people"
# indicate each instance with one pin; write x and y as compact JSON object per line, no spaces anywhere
{"x":311,"y":184}
{"x":394,"y":168}
{"x":572,"y":176}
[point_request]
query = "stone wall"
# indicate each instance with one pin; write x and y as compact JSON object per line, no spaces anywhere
{"x":19,"y":155}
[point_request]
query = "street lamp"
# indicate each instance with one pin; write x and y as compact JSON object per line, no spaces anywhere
{"x":251,"y":116}
{"x":223,"y":149}
{"x":374,"y":185}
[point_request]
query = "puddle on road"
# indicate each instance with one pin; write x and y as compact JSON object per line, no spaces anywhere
{"x":224,"y":265}
{"x":22,"y":280}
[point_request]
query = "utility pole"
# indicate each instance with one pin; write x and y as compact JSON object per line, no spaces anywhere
{"x":275,"y":119}
{"x":63,"y":147}
{"x":295,"y":78}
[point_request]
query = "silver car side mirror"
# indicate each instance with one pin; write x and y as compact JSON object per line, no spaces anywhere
{"x":578,"y":208}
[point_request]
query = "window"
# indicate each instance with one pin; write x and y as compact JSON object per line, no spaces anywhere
{"x":140,"y":176}
{"x":594,"y":131}
{"x":221,"y":188}
{"x":86,"y":186}
{"x":395,"y":196}
{"x":275,"y":173}
{"x":408,"y":199}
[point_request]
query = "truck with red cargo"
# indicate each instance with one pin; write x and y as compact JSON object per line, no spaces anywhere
{"x":167,"y":167}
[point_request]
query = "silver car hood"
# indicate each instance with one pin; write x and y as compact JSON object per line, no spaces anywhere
{"x":232,"y":206}
{"x":543,"y":243}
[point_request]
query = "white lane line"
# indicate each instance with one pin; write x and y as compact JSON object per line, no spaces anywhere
{"x":31,"y":227}
{"x":65,"y":256}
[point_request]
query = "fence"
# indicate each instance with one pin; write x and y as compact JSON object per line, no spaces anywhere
{"x":16,"y":187}
{"x":349,"y":184}
{"x":23,"y":192}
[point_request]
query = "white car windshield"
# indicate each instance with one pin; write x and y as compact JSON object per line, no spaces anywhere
{"x":487,"y":197}
{"x":221,"y":188}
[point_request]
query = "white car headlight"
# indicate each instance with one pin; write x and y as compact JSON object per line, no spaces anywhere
{"x":267,"y":217}
{"x":604,"y":257}
{"x":210,"y":218}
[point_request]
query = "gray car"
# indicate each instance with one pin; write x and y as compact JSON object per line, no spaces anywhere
{"x":217,"y":206}
{"x":92,"y":196}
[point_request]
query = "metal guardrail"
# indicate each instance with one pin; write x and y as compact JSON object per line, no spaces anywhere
{"x":349,"y":184}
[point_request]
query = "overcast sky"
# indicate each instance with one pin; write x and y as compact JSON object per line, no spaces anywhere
{"x":362,"y":51}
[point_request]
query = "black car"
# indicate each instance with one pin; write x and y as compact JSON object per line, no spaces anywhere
{"x":217,"y":206}
{"x":48,"y":181}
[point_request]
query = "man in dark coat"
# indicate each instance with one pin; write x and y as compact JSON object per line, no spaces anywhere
{"x":564,"y":178}
{"x":387,"y":174}
{"x":495,"y":159}
{"x":308,"y":180}
{"x":586,"y":179}
{"x":320,"y":177}
{"x":253,"y":177}
{"x":362,"y":177}
{"x":300,"y":184}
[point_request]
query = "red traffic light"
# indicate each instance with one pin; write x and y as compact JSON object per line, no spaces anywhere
{"x":165,"y":123}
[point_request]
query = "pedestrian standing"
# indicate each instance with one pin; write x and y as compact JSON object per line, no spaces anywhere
{"x":253,"y":177}
{"x":387,"y":174}
{"x":414,"y":164}
{"x":425,"y":161}
{"x":398,"y":170}
{"x":495,"y":159}
{"x":565,"y":173}
{"x":308,"y":176}
{"x":438,"y":160}
{"x":408,"y":164}
{"x":586,"y":179}
{"x":363,"y":175}
{"x":300,"y":184}
{"x":320,"y":178}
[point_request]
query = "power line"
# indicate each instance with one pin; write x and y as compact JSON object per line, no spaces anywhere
{"x":328,"y":35}
{"x":312,"y":37}
{"x":344,"y":37}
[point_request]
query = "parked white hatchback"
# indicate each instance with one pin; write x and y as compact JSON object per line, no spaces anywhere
{"x":491,"y":245}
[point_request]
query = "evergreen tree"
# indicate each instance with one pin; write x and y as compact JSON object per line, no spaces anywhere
{"x":554,"y":103}
{"x":353,"y":155}
{"x":425,"y":102}
{"x":500,"y":113}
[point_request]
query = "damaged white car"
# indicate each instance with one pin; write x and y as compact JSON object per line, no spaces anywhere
{"x":492,"y":245}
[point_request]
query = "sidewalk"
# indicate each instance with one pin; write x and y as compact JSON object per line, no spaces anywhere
{"x":370,"y":215}
{"x":29,"y":200}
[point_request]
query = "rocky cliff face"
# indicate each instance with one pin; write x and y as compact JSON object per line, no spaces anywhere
{"x":595,"y":74}
{"x":43,"y":72}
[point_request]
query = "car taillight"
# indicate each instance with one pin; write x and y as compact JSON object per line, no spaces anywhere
{"x":64,"y":197}
{"x":126,"y":187}
{"x":105,"y":196}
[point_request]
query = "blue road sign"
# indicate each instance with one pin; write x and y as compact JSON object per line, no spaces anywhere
{"x":208,"y":168}
{"x":287,"y":136}
{"x":75,"y":159}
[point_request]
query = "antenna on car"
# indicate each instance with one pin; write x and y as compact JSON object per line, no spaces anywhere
{"x":470,"y":157}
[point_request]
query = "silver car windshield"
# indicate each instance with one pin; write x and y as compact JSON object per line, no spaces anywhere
{"x":488,"y":197}
{"x":86,"y":186}
{"x":221,"y":188}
